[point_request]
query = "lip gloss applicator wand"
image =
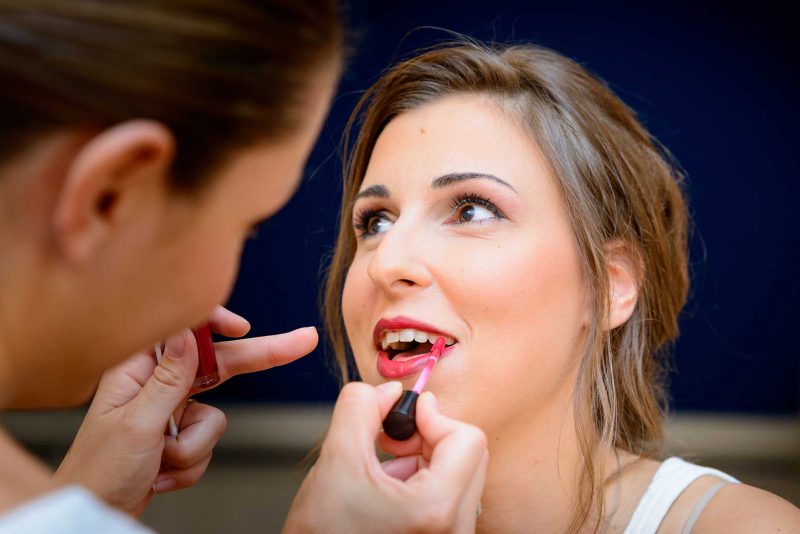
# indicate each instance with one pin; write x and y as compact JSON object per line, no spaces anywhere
{"x":401,"y":422}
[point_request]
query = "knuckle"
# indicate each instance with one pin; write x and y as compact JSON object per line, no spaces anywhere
{"x":179,"y":457}
{"x":193,"y":476}
{"x":167,"y":375}
{"x":475,"y":437}
{"x":219,"y":421}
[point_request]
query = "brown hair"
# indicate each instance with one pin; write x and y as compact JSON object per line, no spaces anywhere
{"x":618,"y":183}
{"x":221,"y":74}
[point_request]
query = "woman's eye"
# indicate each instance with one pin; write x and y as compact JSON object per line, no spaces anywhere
{"x":473,"y":213}
{"x":371,"y":223}
{"x":474,"y":209}
{"x":377,"y":224}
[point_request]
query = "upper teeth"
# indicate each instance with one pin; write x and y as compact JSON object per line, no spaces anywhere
{"x":410,"y":334}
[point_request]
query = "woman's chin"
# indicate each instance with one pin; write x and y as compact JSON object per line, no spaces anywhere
{"x":64,"y":399}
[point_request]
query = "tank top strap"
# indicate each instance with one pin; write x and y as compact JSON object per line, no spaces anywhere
{"x":672,"y":478}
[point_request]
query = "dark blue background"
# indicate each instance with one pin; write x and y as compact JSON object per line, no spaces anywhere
{"x":717,"y":87}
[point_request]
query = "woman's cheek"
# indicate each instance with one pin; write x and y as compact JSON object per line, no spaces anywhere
{"x":488,"y":276}
{"x":355,"y":312}
{"x":531,"y":293}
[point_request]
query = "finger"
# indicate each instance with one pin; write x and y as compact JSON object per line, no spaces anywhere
{"x":174,"y":478}
{"x":260,"y":353}
{"x":357,"y":417}
{"x":225,"y":322}
{"x":409,"y":447}
{"x":404,"y":467}
{"x":457,"y":449}
{"x":200,"y":429}
{"x":170,"y":382}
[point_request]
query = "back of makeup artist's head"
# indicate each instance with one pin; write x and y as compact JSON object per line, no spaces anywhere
{"x":139,"y":144}
{"x":623,"y":196}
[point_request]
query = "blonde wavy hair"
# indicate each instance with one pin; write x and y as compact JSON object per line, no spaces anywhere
{"x":618,"y":183}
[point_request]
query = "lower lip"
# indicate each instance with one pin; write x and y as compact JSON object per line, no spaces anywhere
{"x":394,"y":369}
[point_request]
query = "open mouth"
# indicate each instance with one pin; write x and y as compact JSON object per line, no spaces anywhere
{"x":408,"y":343}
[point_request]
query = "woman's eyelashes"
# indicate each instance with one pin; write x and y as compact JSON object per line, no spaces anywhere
{"x":466,"y":209}
{"x":473,"y":208}
{"x":368,"y":222}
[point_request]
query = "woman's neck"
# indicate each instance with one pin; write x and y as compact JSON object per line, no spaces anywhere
{"x":22,"y":477}
{"x":532,"y":479}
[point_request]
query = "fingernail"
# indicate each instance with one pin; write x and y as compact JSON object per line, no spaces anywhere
{"x":393,"y":387}
{"x":164,"y":484}
{"x":176,"y":346}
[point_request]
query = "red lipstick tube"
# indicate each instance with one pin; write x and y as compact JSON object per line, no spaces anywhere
{"x":207,"y":370}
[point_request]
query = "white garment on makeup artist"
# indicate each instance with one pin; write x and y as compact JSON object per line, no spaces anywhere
{"x":71,"y":510}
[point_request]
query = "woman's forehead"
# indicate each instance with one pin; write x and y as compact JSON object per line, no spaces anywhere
{"x":454,"y":135}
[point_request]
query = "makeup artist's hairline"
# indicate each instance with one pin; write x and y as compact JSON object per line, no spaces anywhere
{"x":440,"y":182}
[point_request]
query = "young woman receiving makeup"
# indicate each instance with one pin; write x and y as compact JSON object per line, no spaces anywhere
{"x":139,"y":144}
{"x":504,"y":198}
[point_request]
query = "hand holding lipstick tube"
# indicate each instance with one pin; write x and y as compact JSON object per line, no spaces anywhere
{"x":108,"y":444}
{"x":401,"y":424}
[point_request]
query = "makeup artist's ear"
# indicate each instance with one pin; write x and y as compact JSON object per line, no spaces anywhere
{"x":111,"y":179}
{"x":624,"y":267}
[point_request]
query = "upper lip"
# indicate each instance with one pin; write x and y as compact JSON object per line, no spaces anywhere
{"x":400,"y":322}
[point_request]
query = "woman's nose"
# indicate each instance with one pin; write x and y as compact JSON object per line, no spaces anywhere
{"x":398,"y":262}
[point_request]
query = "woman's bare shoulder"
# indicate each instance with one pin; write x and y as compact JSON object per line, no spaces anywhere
{"x":739,"y":508}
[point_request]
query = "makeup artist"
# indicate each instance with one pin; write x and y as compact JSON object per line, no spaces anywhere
{"x":139,"y":144}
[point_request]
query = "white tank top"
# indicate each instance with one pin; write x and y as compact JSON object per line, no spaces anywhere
{"x":673,"y":476}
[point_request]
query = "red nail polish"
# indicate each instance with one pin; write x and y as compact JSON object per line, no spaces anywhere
{"x":207,"y":370}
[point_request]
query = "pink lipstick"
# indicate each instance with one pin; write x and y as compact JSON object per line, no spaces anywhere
{"x":401,"y":422}
{"x":408,"y":364}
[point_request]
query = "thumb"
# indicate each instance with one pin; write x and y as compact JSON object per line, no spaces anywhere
{"x":171,"y":381}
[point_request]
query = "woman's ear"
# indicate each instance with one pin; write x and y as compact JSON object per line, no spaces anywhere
{"x":624,"y":267}
{"x":112,"y":177}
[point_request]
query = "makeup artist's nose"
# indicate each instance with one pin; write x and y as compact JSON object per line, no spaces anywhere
{"x":398,"y":262}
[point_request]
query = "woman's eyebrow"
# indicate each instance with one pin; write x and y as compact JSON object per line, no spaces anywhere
{"x":455,"y":177}
{"x":378,"y":190}
{"x":446,"y":180}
